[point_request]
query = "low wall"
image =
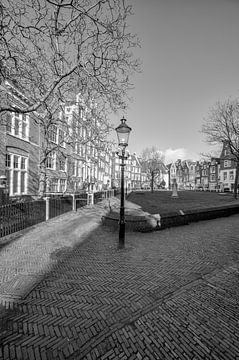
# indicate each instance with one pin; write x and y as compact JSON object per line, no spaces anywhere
{"x":186,"y":217}
{"x":132,"y":223}
{"x":147,"y":223}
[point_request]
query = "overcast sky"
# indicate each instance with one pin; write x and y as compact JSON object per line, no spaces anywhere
{"x":190,"y":59}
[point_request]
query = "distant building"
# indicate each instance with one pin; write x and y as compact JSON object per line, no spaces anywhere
{"x":214,"y":174}
{"x":227,"y":169}
{"x":172,"y":173}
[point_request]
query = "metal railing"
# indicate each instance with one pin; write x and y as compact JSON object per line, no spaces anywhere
{"x":20,"y":215}
{"x":59,"y":206}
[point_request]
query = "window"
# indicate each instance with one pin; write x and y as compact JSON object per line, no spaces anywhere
{"x":231,"y":175}
{"x":54,"y":185}
{"x":23,"y":182}
{"x":74,"y":167}
{"x":15,"y":161}
{"x":213,"y":177}
{"x":62,"y":187}
{"x":213,"y":169}
{"x":62,"y":164}
{"x":224,"y":175}
{"x":9,"y":122}
{"x":16,"y":169}
{"x":53,"y":134}
{"x":23,"y":163}
{"x":51,"y":160}
{"x":61,"y":138}
{"x":18,"y":125}
{"x":8,"y":161}
{"x":24,"y":126}
{"x":227,"y":163}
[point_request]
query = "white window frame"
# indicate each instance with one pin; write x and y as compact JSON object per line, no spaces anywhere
{"x":53,"y":134}
{"x":16,"y":169}
{"x":51,"y":160}
{"x":61,"y":137}
{"x":54,"y":185}
{"x":62,"y":160}
{"x":75,"y":168}
{"x":23,"y":119}
{"x":62,"y":185}
{"x":231,"y":175}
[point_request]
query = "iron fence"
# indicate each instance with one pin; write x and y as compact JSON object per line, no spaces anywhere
{"x":18,"y":216}
{"x":58,"y":206}
{"x":81,"y":200}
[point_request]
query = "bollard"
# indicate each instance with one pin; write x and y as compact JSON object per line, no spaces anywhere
{"x":47,"y":208}
{"x":73,"y":202}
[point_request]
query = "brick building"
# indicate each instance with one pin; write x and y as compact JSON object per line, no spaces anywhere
{"x":214,"y":174}
{"x":20,"y":145}
{"x":227,"y":169}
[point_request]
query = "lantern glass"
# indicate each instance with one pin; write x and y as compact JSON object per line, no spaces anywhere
{"x":123,"y":131}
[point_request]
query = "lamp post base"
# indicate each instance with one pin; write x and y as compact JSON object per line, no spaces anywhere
{"x":121,"y":235}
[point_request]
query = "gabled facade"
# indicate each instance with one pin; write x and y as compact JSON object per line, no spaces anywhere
{"x":172,"y":173}
{"x":179,"y":174}
{"x":135,"y":173}
{"x":205,"y":175}
{"x":191,"y":174}
{"x":214,"y":174}
{"x":185,"y":174}
{"x":227,"y":169}
{"x":198,"y":176}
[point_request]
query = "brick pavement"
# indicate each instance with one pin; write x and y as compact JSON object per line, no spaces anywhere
{"x":171,"y":294}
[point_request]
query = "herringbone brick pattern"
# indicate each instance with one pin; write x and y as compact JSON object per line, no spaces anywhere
{"x":172,"y":294}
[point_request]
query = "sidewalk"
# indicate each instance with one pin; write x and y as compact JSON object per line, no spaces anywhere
{"x":26,"y":256}
{"x":68,"y":292}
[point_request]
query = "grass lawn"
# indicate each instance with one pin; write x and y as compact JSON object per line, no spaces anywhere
{"x":162,"y":201}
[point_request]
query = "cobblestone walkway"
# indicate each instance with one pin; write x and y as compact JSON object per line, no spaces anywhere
{"x":68,"y":292}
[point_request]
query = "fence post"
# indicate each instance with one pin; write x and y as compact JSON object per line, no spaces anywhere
{"x":47,"y":208}
{"x":73,"y":202}
{"x":90,"y":199}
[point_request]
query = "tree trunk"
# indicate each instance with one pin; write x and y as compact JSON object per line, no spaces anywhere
{"x":42,"y":181}
{"x":236,"y":179}
{"x":152,"y":182}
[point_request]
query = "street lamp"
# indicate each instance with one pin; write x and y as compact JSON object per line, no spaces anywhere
{"x":123,"y":131}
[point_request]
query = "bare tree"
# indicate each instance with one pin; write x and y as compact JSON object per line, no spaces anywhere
{"x":53,"y":49}
{"x":68,"y":139}
{"x":152,"y":163}
{"x":222,"y":124}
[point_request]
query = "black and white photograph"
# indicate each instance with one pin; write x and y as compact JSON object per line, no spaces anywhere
{"x":119,"y":179}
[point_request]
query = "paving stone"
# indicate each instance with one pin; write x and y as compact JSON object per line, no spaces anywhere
{"x":69,"y":293}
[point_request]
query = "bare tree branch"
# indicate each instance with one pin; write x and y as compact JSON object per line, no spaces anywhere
{"x":222,"y":125}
